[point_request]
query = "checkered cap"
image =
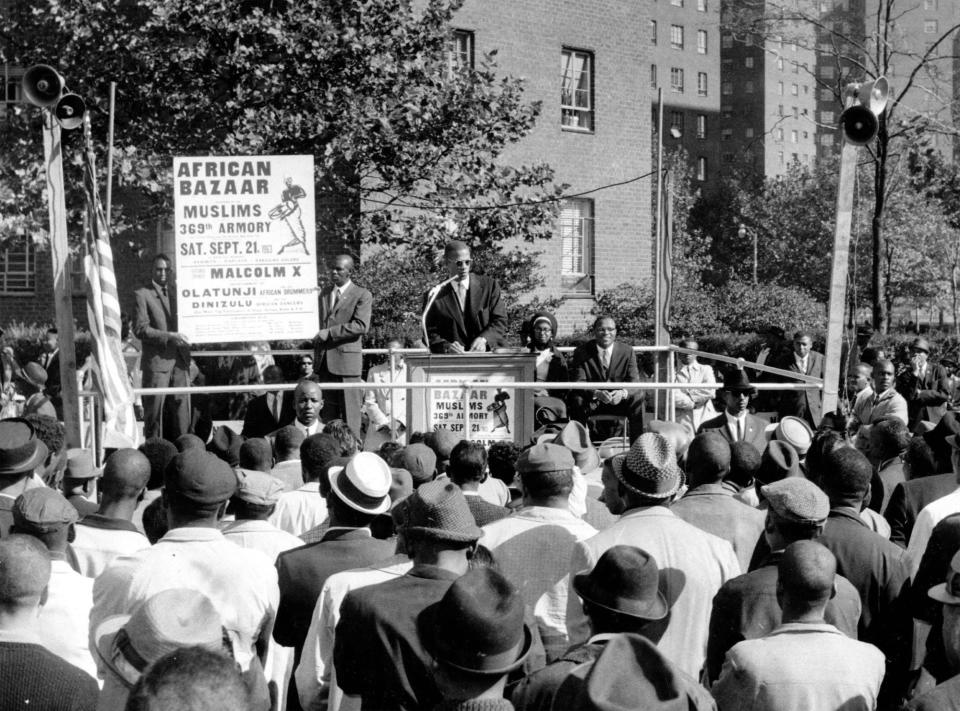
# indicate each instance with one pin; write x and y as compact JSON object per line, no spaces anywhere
{"x":651,"y":467}
{"x":797,"y":499}
{"x":438,"y":510}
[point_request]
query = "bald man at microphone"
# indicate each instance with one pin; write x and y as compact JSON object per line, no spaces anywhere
{"x":465,"y":313}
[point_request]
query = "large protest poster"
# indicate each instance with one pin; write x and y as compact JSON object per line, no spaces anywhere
{"x":245,"y":248}
{"x":495,"y":412}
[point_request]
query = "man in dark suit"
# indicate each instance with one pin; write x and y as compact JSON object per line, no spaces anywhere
{"x":166,"y":354}
{"x":924,"y":386}
{"x":605,"y":359}
{"x":465,"y":313}
{"x":735,"y":423}
{"x":345,"y":310}
{"x":359,"y":492}
{"x":50,"y":360}
{"x":269,"y":412}
{"x":805,"y":404}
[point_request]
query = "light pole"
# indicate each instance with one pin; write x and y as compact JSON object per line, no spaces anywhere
{"x":742,"y":232}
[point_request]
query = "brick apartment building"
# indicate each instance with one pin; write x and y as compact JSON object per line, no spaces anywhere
{"x":684,"y":47}
{"x":768,"y":95}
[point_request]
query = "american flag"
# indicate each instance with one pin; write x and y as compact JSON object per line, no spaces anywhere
{"x":109,"y":370}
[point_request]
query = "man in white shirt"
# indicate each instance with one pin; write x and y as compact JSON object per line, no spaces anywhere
{"x":286,"y":447}
{"x":883,"y":404}
{"x":933,"y":513}
{"x":735,"y":423}
{"x":44,"y":514}
{"x":695,"y":404}
{"x":102,"y":536}
{"x":386,"y":405}
{"x":305,"y":508}
{"x":242,"y":583}
{"x":536,"y":542}
{"x":307,"y":403}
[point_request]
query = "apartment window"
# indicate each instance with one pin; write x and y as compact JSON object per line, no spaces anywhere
{"x":701,"y":41}
{"x":779,"y":134}
{"x":653,"y":75}
{"x":806,"y":90}
{"x":12,"y":90}
{"x":826,"y":117}
{"x":676,"y":120}
{"x":795,"y":67}
{"x":726,"y":112}
{"x":653,"y":31}
{"x":794,"y":90}
{"x":701,"y":169}
{"x":826,"y":139}
{"x":748,"y":132}
{"x":726,"y":134}
{"x":824,"y":6}
{"x":676,"y":36}
{"x":576,"y":246}
{"x":930,"y":4}
{"x":18,"y":268}
{"x":676,"y":80}
{"x":726,"y":41}
{"x":826,"y":95}
{"x":794,"y":158}
{"x":727,"y":157}
{"x":780,"y":157}
{"x":748,"y":87}
{"x":676,"y":3}
{"x":748,"y":62}
{"x":701,"y":126}
{"x":793,"y":137}
{"x":780,"y":88}
{"x":827,"y":71}
{"x":796,"y":112}
{"x":779,"y":109}
{"x":930,"y":27}
{"x":701,"y":5}
{"x":460,"y":51}
{"x":576,"y":89}
{"x":780,"y":63}
{"x":701,"y":83}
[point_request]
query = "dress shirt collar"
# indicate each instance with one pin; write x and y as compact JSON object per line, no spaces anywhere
{"x":601,"y":638}
{"x":644,"y":511}
{"x":339,"y":533}
{"x":734,"y":420}
{"x":848,"y":513}
{"x":192,"y":534}
{"x":805,"y":628}
{"x":715,"y":489}
{"x":248,"y":526}
{"x":456,"y":284}
{"x":886,"y":394}
{"x":312,"y":486}
{"x":313,"y":429}
{"x":343,"y":289}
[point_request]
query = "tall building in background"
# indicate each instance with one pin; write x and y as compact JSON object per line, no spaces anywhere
{"x":684,"y":47}
{"x":583,"y":62}
{"x":768,"y":96}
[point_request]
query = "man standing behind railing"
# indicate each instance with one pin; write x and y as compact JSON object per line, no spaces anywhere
{"x":345,"y":310}
{"x":694,"y":405}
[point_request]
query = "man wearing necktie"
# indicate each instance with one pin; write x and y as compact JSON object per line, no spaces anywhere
{"x":805,"y":404}
{"x":50,"y":360}
{"x":924,"y":386}
{"x":735,"y":423}
{"x":605,"y":359}
{"x":466,"y":313}
{"x":166,"y":354}
{"x":345,"y":311}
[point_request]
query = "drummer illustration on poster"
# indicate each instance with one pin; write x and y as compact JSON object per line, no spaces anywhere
{"x":289,"y":211}
{"x":501,"y":416}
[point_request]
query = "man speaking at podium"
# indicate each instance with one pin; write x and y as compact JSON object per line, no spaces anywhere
{"x":464,"y":313}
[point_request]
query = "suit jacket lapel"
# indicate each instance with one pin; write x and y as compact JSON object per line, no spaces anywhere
{"x":164,"y":304}
{"x":452,"y":304}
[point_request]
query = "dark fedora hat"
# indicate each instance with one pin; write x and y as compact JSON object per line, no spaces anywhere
{"x":20,"y":450}
{"x":477,"y":627}
{"x":625,"y":580}
{"x":736,"y":381}
{"x":630,"y":673}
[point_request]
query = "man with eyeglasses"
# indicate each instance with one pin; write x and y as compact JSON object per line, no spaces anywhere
{"x":464,"y":314}
{"x":166,"y":354}
{"x":604,"y":359}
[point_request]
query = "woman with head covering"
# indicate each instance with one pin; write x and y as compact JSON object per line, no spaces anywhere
{"x":551,"y":366}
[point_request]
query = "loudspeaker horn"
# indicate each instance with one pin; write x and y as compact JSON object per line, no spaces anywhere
{"x":42,"y":85}
{"x":859,"y":124}
{"x":69,"y":111}
{"x":874,"y":94}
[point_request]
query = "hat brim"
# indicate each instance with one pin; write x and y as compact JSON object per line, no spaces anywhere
{"x":32,"y":462}
{"x":438,"y":650}
{"x":748,"y":389}
{"x":469,"y":535}
{"x":104,"y":637}
{"x":940,"y":594}
{"x":380,"y":508}
{"x":655,"y":611}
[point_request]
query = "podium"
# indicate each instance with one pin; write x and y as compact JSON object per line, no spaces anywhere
{"x":496,"y":412}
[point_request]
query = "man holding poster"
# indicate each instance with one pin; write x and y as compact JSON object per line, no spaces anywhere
{"x":166,"y":354}
{"x":345,"y":310}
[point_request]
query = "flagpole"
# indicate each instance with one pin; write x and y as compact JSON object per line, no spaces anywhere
{"x":656,"y":250}
{"x":113,"y":96}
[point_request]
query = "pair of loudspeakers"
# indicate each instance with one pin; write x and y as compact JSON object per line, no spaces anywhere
{"x":44,"y":87}
{"x":861,"y":121}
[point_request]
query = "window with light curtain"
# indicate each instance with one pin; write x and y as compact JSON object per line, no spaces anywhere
{"x":576,"y":90}
{"x":576,"y":246}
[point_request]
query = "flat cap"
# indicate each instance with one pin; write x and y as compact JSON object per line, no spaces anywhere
{"x":200,"y":476}
{"x":42,"y":510}
{"x":545,"y":457}
{"x":258,"y":488}
{"x":80,"y":464}
{"x":797,"y":499}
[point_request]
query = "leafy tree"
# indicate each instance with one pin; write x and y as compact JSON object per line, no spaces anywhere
{"x":404,"y":140}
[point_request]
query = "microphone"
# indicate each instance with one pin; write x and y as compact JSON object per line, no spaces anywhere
{"x":431,"y":297}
